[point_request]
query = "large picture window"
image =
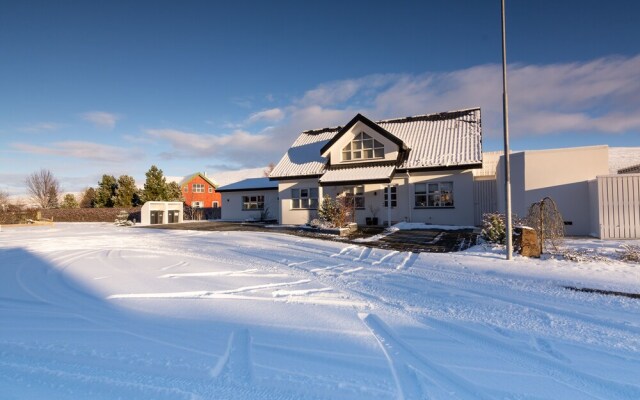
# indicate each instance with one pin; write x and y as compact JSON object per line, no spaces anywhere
{"x":394,"y":196}
{"x":197,"y":188}
{"x":362,"y":147}
{"x":252,"y":202}
{"x":304,"y":198}
{"x":435,"y":194}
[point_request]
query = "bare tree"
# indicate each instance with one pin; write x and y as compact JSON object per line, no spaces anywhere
{"x":4,"y":200}
{"x":43,"y":188}
{"x":267,"y":171}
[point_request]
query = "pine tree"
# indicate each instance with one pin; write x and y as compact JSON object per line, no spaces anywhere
{"x":155,"y":187}
{"x":106,"y":193}
{"x":126,"y":192}
{"x":174,"y":192}
{"x":69,"y":201}
{"x":88,"y":198}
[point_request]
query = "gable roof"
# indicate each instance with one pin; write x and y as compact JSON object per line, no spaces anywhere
{"x":442,"y":140}
{"x":370,"y":124}
{"x":189,"y":178}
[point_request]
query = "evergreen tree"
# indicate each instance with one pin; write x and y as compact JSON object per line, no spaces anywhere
{"x":126,"y":192}
{"x":69,"y":201}
{"x":155,"y":187}
{"x":174,"y":192}
{"x":106,"y":193}
{"x":88,"y":198}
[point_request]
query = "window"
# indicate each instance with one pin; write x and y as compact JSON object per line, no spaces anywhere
{"x":362,"y":147}
{"x":304,"y":198}
{"x":436,"y":194}
{"x":252,"y":202}
{"x":394,"y":196}
{"x":210,"y":189}
{"x":197,"y":188}
{"x":197,"y":204}
{"x":186,"y":188}
{"x":357,"y":195}
{"x":215,"y":204}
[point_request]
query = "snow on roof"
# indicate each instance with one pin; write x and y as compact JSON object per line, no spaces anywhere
{"x":362,"y":174}
{"x":623,"y":157}
{"x":250,"y":184}
{"x":228,"y":177}
{"x":435,"y":140}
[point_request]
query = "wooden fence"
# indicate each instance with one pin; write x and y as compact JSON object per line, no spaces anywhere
{"x":618,"y":206}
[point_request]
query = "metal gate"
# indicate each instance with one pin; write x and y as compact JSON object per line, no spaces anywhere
{"x":484,"y":198}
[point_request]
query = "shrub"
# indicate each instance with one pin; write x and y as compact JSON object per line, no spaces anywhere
{"x":336,"y":213}
{"x":545,"y":218}
{"x":630,"y":253}
{"x":493,"y":228}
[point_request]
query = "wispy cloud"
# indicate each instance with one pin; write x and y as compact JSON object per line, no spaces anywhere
{"x":40,"y":127}
{"x":101,"y":119}
{"x":82,"y":150}
{"x":270,"y":115}
{"x":601,"y":95}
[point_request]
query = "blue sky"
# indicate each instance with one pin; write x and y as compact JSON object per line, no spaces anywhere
{"x":113,"y":87}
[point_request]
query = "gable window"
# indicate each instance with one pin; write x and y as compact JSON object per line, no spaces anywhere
{"x":186,"y":188}
{"x":304,"y":198}
{"x":356,"y":195}
{"x":252,"y":202}
{"x":197,"y":188}
{"x":436,"y":194}
{"x":362,"y":147}
{"x":210,"y":189}
{"x":394,"y":196}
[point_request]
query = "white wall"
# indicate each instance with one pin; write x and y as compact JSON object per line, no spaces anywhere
{"x":232,"y":205}
{"x":291,"y":216}
{"x":561,"y":174}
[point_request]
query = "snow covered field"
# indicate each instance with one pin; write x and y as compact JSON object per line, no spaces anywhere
{"x":98,"y":312}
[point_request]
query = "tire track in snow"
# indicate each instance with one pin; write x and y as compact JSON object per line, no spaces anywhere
{"x":235,"y":365}
{"x":405,"y":362}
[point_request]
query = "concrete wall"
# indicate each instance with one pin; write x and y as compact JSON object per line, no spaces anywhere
{"x":232,"y":205}
{"x":165,"y":206}
{"x":561,"y":174}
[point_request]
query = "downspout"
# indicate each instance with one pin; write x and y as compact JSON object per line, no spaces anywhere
{"x":409,"y":196}
{"x":389,"y":204}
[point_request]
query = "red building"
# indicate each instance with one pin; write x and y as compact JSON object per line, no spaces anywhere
{"x":200,"y":191}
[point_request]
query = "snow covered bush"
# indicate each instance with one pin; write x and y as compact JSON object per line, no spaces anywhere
{"x":545,"y":218}
{"x":336,"y":213}
{"x":122,"y":219}
{"x":493,"y":228}
{"x":630,"y":253}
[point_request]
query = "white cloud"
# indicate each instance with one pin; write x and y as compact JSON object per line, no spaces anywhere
{"x":601,"y":95}
{"x":101,"y":119}
{"x":41,"y":127}
{"x":83,"y":150}
{"x":270,"y":115}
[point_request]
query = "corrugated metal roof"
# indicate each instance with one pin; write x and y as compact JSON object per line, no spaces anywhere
{"x":363,"y":174}
{"x":436,"y":140}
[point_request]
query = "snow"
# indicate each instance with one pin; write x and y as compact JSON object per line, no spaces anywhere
{"x":623,"y":157}
{"x":250,"y":184}
{"x":103,"y":312}
{"x":408,"y":226}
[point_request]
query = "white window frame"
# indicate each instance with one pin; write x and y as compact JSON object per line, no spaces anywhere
{"x":215,"y":204}
{"x":197,"y":187}
{"x":356,"y":193}
{"x":253,"y":202}
{"x":197,"y":204}
{"x":363,"y":147}
{"x":434,"y":194}
{"x":210,"y":189}
{"x":304,"y":198}
{"x":394,"y":196}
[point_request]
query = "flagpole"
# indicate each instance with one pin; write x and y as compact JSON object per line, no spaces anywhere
{"x":505,"y":116}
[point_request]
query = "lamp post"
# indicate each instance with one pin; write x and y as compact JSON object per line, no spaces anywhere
{"x":505,"y":121}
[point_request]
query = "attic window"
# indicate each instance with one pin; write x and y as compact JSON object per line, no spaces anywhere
{"x":362,"y":147}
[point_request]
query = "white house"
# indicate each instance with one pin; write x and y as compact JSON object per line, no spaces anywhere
{"x":409,"y":169}
{"x":250,"y":199}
